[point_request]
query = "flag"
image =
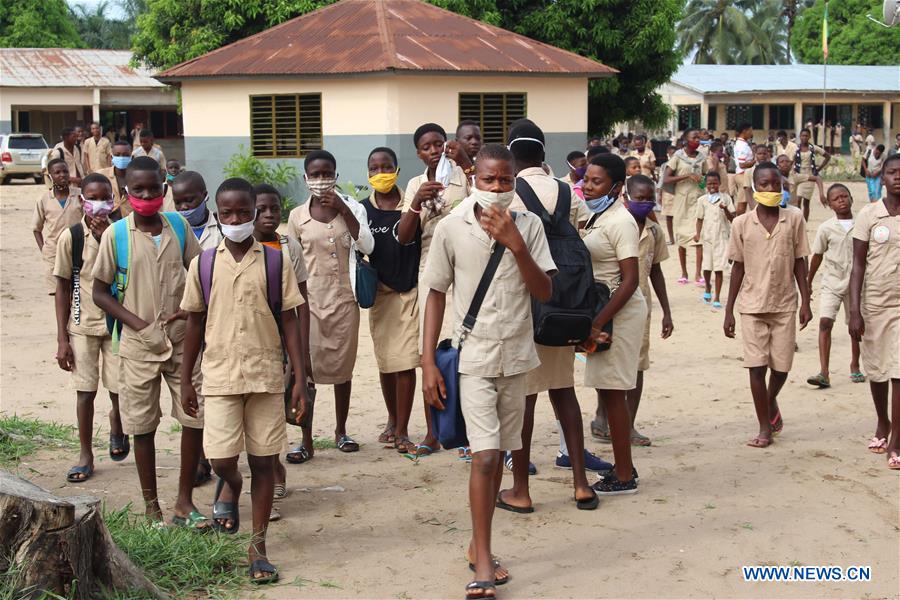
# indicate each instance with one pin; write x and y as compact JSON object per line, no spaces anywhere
{"x":825,"y":33}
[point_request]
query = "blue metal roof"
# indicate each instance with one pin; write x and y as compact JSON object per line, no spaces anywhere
{"x":730,"y":79}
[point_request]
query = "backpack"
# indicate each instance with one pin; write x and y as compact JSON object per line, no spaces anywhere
{"x":77,"y":231}
{"x":121,"y":238}
{"x":565,"y":319}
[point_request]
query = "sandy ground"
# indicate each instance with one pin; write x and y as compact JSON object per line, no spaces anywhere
{"x":707,"y":504}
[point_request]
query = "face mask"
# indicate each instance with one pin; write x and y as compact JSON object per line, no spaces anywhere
{"x":239,"y":233}
{"x":196,"y":216}
{"x":321,"y":185}
{"x":524,"y":139}
{"x":444,"y":171}
{"x":384,"y":182}
{"x":713,"y":198}
{"x":96,"y":208}
{"x":170,"y":178}
{"x":60,"y":186}
{"x":500,"y":200}
{"x":770,"y":199}
{"x":121,"y":162}
{"x":640,"y":210}
{"x":692,"y":145}
{"x":601,"y":204}
{"x":785,"y":198}
{"x":146,"y":208}
{"x":579,"y":172}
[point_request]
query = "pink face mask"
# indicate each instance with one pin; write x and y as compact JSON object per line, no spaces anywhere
{"x":146,"y":208}
{"x":96,"y":209}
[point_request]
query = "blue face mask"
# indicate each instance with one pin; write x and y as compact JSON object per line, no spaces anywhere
{"x":196,"y":216}
{"x":785,"y":198}
{"x":601,"y":204}
{"x":121,"y":162}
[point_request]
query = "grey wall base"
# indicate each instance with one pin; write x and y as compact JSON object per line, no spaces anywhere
{"x":5,"y":127}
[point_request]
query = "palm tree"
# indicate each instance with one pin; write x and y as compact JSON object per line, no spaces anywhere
{"x":98,"y":30}
{"x":790,"y":9}
{"x":728,"y":33}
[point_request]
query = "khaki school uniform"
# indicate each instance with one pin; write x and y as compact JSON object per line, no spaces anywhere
{"x":613,"y":237}
{"x":725,"y":182}
{"x":120,"y":197}
{"x":88,"y":336}
{"x":51,"y":220}
{"x":767,"y":300}
{"x":500,"y":350}
{"x":155,"y":287}
{"x":97,"y":154}
{"x":794,"y":180}
{"x":835,"y":244}
{"x":686,"y":193}
{"x":651,"y":251}
{"x":155,"y":153}
{"x":789,"y":150}
{"x":807,"y":189}
{"x":647,"y":161}
{"x":880,"y":348}
{"x":557,"y":368}
{"x":210,"y":236}
{"x":73,"y":159}
{"x":715,"y":232}
{"x":243,"y":380}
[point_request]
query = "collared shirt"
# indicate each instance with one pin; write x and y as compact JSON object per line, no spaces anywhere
{"x":612,"y":237}
{"x":120,"y":198}
{"x":243,"y":352}
{"x":455,"y":193}
{"x":546,"y":189}
{"x":652,"y":250}
{"x":502,"y":341}
{"x":51,"y":219}
{"x":72,"y":158}
{"x":97,"y":154}
{"x":715,"y":224}
{"x":768,"y":260}
{"x":92,"y":319}
{"x":875,"y":226}
{"x":155,"y":283}
{"x":835,"y":244}
{"x":210,"y":236}
{"x":680,"y":165}
{"x":742,"y":153}
{"x":647,"y":161}
{"x":789,"y":150}
{"x":155,"y":153}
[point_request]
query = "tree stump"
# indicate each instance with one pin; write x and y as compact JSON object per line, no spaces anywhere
{"x":61,"y":544}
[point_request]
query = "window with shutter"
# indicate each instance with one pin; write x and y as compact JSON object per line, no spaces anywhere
{"x":493,"y":112}
{"x":286,"y":125}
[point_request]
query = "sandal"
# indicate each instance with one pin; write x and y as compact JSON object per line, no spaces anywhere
{"x":487,"y":589}
{"x":387,"y":436}
{"x":760,"y":442}
{"x":298,"y":455}
{"x":347,"y":444}
{"x":261,"y":565}
{"x":894,"y":461}
{"x":80,"y":473}
{"x":700,"y":282}
{"x":121,"y":445}
{"x":424,"y":450}
{"x":638,"y":439}
{"x":404,"y":445}
{"x":707,"y":297}
{"x":589,"y":504}
{"x":777,"y":423}
{"x":497,"y":580}
{"x":226,"y":511}
{"x":204,"y":473}
{"x":274,"y":514}
{"x":464,"y":453}
{"x":192,"y":521}
{"x":857,"y":377}
{"x":522,"y":510}
{"x":280,"y":492}
{"x":820,"y":381}
{"x":683,"y":280}
{"x":717,"y":304}
{"x":878,"y":445}
{"x":600,"y":434}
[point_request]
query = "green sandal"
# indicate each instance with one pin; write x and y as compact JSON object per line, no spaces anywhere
{"x":819,"y":380}
{"x":857,"y":377}
{"x":193,"y":521}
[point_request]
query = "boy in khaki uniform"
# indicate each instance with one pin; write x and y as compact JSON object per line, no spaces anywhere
{"x":97,"y":150}
{"x":875,"y":306}
{"x":644,"y":155}
{"x":769,"y":249}
{"x":81,"y":328}
{"x":54,"y":212}
{"x":151,"y":343}
{"x":833,"y":247}
{"x":745,"y":200}
{"x":243,"y":381}
{"x":68,"y":150}
{"x":499,"y":351}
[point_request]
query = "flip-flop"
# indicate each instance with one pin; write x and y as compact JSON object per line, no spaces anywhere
{"x":589,"y":504}
{"x":700,"y":282}
{"x":484,"y":586}
{"x":683,"y":280}
{"x":759,"y":442}
{"x":120,"y":443}
{"x":274,"y":514}
{"x":191,"y":521}
{"x":878,"y":445}
{"x":707,"y":297}
{"x":280,"y":492}
{"x":85,"y":470}
{"x":204,"y":474}
{"x":893,"y":461}
{"x":857,"y":377}
{"x":497,"y":565}
{"x":600,"y":434}
{"x":261,"y":565}
{"x":777,"y":423}
{"x":298,"y":455}
{"x":387,"y":436}
{"x":227,"y":511}
{"x":404,"y":445}
{"x":819,"y":380}
{"x":717,"y":304}
{"x":347,"y":444}
{"x":464,"y":454}
{"x":522,"y":510}
{"x":424,"y":450}
{"x":638,"y":439}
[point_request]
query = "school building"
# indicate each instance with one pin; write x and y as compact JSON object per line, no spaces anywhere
{"x":359,"y":74}
{"x":773,"y":97}
{"x":43,"y":90}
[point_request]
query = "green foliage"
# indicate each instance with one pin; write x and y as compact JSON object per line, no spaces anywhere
{"x":99,"y":31}
{"x":256,"y":171}
{"x":745,"y":32}
{"x":37,"y":24}
{"x":21,"y":437}
{"x":852,"y":38}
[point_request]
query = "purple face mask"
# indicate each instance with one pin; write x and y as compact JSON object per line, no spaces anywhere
{"x":640,"y":210}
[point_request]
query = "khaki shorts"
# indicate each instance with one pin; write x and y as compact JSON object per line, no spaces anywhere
{"x":830,"y":303}
{"x":769,"y":340}
{"x":139,"y":389}
{"x":493,"y":408}
{"x":89,"y":369}
{"x":880,"y":347}
{"x":251,"y":422}
{"x":556,"y":371}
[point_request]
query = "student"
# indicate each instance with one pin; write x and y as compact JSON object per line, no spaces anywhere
{"x":769,"y":249}
{"x":805,"y":164}
{"x":243,"y":395}
{"x":148,"y":148}
{"x":745,"y":200}
{"x":685,"y":171}
{"x":54,"y":212}
{"x":715,"y":163}
{"x":667,"y":200}
{"x":492,"y":376}
{"x":97,"y":150}
{"x":556,"y":372}
{"x":173,"y":168}
{"x":468,"y":135}
{"x":875,"y":306}
{"x":632,"y":167}
{"x":784,"y":146}
{"x":651,"y":252}
{"x":872,"y":164}
{"x":394,"y":319}
{"x":833,"y":244}
{"x":715,"y":212}
{"x":426,"y":201}
{"x":644,"y":155}
{"x":121,"y":158}
{"x":331,"y":228}
{"x":68,"y":150}
{"x":790,"y":180}
{"x":151,"y":343}
{"x":190,"y":198}
{"x":576,"y":161}
{"x":82,"y":338}
{"x":743,"y":154}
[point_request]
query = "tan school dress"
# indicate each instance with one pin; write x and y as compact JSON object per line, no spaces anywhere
{"x":684,"y":222}
{"x":808,"y":188}
{"x":334,"y":313}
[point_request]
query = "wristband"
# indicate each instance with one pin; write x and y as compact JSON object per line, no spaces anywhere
{"x":412,"y":210}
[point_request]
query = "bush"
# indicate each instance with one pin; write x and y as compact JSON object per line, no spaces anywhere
{"x":841,"y":168}
{"x":281,"y":175}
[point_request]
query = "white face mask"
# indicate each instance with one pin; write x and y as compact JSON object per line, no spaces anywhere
{"x":320,"y":186}
{"x":500,"y":200}
{"x":444,"y":170}
{"x":239,"y":233}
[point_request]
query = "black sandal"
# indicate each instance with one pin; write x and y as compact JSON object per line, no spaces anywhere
{"x":120,"y":443}
{"x":590,"y":504}
{"x":261,"y":565}
{"x":226,"y":511}
{"x":347,"y":444}
{"x":497,"y":565}
{"x":298,"y":455}
{"x":484,"y":586}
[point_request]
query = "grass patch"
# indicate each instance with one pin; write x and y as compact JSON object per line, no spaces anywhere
{"x":324,"y":443}
{"x":21,"y":437}
{"x":180,"y":561}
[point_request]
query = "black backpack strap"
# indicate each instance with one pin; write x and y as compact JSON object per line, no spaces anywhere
{"x":532,"y":203}
{"x":563,"y":202}
{"x":77,"y":231}
{"x":483,"y":285}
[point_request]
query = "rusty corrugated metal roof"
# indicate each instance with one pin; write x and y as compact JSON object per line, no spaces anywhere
{"x":67,"y":67}
{"x":370,"y":36}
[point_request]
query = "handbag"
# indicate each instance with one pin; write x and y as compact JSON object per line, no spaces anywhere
{"x":449,"y":424}
{"x":366,"y":282}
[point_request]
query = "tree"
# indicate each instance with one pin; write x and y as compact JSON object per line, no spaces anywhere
{"x":852,"y":38}
{"x":99,"y":31}
{"x":44,"y":24}
{"x":790,"y":10}
{"x":744,"y":32}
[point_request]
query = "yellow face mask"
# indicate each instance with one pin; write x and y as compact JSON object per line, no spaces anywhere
{"x":384,"y":182}
{"x":767,"y":198}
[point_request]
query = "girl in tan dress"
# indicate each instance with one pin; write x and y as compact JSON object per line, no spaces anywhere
{"x":806,"y":163}
{"x":685,"y":171}
{"x":330,"y":227}
{"x":613,"y":239}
